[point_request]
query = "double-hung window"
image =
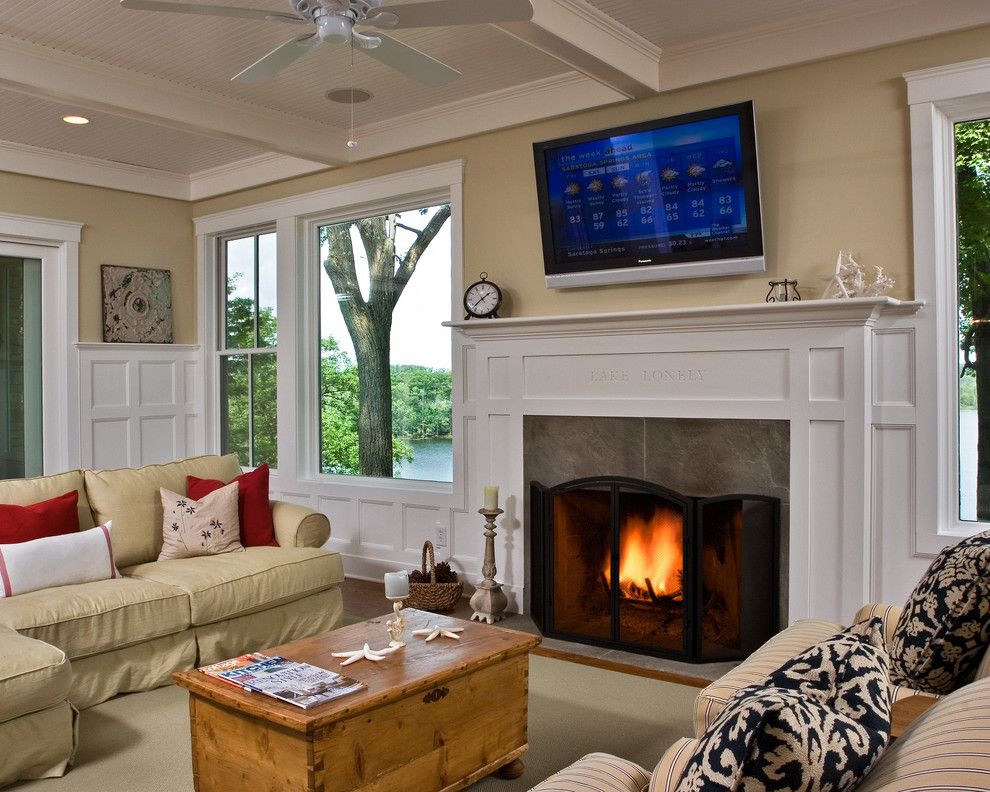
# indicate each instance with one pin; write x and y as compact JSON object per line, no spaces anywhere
{"x":248,"y":339}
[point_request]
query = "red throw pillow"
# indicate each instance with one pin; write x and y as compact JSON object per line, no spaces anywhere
{"x":257,"y":528}
{"x":52,"y":517}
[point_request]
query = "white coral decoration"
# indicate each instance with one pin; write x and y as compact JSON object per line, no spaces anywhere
{"x":851,"y":280}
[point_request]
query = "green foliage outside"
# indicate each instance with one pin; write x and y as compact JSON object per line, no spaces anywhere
{"x":420,"y":408}
{"x":420,"y":399}
{"x":972,"y":141}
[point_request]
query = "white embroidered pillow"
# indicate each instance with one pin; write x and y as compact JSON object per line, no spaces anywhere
{"x":63,"y":560}
{"x":196,"y":528}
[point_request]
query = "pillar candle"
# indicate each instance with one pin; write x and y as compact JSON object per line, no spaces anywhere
{"x":491,"y":497}
{"x":396,"y":584}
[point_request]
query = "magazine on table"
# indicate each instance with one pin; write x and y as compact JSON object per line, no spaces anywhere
{"x":301,"y":684}
{"x":216,"y":670}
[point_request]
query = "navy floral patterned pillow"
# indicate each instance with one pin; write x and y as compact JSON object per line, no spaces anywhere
{"x":817,"y":724}
{"x":945,"y":627}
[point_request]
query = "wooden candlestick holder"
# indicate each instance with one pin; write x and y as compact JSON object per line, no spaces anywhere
{"x":489,"y":601}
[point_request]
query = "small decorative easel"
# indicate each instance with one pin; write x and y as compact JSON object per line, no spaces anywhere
{"x":489,"y":601}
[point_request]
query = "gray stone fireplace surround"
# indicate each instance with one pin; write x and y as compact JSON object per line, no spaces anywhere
{"x":703,"y":457}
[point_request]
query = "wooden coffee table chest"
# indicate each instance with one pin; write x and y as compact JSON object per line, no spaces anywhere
{"x":435,"y":716}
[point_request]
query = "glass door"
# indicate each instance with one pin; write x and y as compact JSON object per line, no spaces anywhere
{"x":20,"y":367}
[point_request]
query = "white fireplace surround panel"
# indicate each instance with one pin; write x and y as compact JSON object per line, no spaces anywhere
{"x":842,"y":372}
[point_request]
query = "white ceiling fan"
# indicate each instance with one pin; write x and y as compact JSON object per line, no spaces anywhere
{"x":343,"y":21}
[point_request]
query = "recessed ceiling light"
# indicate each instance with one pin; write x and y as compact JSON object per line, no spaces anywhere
{"x":349,"y":95}
{"x":78,"y":120}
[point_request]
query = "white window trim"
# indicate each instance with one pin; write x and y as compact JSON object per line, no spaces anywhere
{"x":296,"y":219}
{"x":938,"y":99}
{"x":58,"y":240}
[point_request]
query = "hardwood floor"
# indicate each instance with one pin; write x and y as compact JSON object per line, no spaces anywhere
{"x":365,"y":599}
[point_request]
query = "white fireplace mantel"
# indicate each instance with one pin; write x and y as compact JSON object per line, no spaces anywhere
{"x":841,"y":372}
{"x":864,"y":311}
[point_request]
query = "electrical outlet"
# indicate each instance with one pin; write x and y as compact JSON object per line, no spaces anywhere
{"x":441,"y":534}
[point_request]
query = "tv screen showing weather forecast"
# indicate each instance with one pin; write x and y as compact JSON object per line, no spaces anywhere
{"x":676,"y":190}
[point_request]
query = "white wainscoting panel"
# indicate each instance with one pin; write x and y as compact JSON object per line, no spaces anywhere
{"x":139,"y":404}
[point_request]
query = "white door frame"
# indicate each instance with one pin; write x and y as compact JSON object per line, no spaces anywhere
{"x":56,"y":243}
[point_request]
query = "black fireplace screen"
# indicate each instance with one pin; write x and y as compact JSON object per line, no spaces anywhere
{"x":625,"y":563}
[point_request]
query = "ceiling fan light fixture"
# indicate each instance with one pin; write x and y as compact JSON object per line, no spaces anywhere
{"x":349,"y":95}
{"x":334,"y":27}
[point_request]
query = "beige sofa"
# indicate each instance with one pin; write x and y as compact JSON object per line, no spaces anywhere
{"x":132,"y":633}
{"x":923,"y":758}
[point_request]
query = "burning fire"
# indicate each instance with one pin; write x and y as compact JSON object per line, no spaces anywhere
{"x":650,"y":556}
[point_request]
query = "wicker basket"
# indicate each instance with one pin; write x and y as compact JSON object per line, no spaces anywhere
{"x":433,"y":596}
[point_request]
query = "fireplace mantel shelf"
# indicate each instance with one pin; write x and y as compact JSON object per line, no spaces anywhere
{"x":805,"y":313}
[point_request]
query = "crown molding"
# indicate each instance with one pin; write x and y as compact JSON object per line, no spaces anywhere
{"x":42,"y":71}
{"x":250,"y":172}
{"x":839,"y":31}
{"x":48,"y":164}
{"x":534,"y":101}
{"x":593,"y":43}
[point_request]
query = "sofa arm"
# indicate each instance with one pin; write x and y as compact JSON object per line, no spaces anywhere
{"x":299,"y":526}
{"x":768,"y":658}
{"x":667,"y":774}
{"x":601,"y":772}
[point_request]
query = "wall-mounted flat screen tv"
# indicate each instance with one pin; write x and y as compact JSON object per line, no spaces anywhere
{"x":677,"y":197}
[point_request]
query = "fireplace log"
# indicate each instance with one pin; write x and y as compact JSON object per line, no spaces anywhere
{"x":653,"y":595}
{"x":605,"y":585}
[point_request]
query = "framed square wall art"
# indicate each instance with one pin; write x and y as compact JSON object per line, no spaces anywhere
{"x":137,"y":305}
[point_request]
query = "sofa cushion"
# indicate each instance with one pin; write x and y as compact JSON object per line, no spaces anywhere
{"x":80,"y":557}
{"x":944,"y":629}
{"x":235,"y":584}
{"x":131,"y":498}
{"x":32,"y":490}
{"x":819,"y":722}
{"x":772,"y":655}
{"x":944,"y":749}
{"x":89,"y":618}
{"x":200,"y":527}
{"x":59,"y":515}
{"x":33,"y":675}
{"x":253,"y":510}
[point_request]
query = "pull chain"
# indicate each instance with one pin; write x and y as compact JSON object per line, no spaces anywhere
{"x":351,"y":142}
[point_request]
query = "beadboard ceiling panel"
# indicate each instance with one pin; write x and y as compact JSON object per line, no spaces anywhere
{"x":203,"y":53}
{"x":32,"y":121}
{"x":158,"y":86}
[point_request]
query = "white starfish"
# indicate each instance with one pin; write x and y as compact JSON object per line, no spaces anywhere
{"x":365,"y":653}
{"x":434,"y":632}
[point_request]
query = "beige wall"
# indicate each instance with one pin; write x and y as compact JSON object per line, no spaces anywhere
{"x":834,"y":158}
{"x":120,"y":228}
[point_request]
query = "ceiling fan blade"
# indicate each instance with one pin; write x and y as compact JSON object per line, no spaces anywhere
{"x":211,"y":10}
{"x":412,"y":62}
{"x":279,"y":58}
{"x":441,"y":13}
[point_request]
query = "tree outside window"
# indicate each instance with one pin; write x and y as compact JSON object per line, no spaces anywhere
{"x":972,"y":140}
{"x":248,"y":402}
{"x":385,"y":369}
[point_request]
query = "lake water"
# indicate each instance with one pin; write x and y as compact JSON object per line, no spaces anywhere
{"x":969,"y":433}
{"x":432,"y":460}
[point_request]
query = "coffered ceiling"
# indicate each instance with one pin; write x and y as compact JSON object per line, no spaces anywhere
{"x":167,"y":119}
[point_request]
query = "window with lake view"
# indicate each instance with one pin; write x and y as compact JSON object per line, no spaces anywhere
{"x":385,"y":358}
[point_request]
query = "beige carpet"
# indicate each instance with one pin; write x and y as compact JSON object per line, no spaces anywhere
{"x":140,"y":742}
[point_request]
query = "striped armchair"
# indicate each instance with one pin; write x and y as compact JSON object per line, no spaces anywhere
{"x":947,"y":748}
